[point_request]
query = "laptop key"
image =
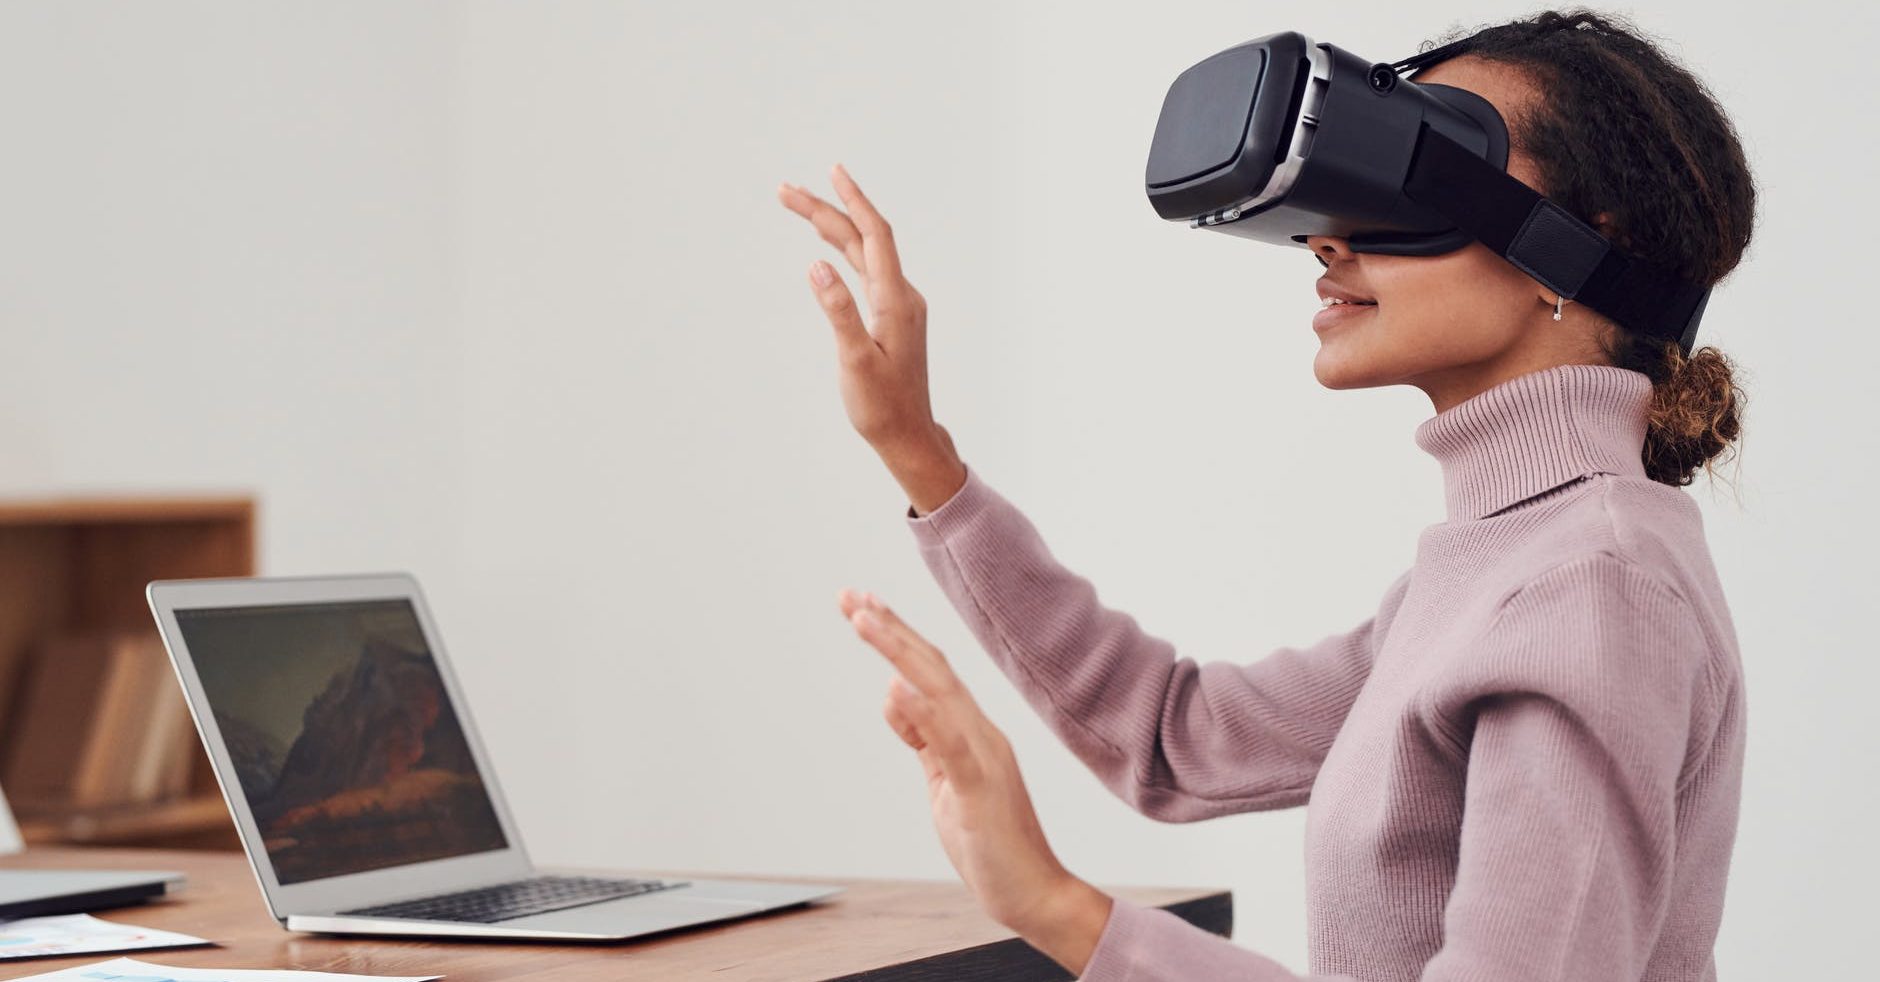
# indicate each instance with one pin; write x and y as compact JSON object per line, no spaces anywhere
{"x":520,"y":898}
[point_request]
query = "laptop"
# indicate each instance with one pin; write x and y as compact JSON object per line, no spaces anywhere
{"x":39,"y":892}
{"x":361,"y":792}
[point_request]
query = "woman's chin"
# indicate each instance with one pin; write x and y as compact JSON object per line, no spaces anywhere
{"x":1331,"y":374}
{"x":1342,"y":361}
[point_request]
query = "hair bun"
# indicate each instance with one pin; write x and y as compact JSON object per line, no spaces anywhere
{"x":1695,"y":416}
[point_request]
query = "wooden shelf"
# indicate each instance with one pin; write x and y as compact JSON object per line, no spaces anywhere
{"x":72,"y":575}
{"x":69,"y":510}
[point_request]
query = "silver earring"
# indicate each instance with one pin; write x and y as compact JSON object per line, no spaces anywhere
{"x":1556,"y":306}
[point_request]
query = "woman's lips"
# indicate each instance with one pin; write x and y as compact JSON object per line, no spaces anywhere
{"x":1339,"y":313}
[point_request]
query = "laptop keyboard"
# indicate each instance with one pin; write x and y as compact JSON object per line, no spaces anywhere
{"x":506,"y":901}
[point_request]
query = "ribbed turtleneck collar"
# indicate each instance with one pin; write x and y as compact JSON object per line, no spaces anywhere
{"x":1535,"y":432}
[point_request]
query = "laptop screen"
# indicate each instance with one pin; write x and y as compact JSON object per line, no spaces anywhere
{"x":344,"y":739}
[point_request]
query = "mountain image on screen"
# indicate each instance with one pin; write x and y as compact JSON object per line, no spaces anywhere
{"x":377,"y":772}
{"x":257,"y":755}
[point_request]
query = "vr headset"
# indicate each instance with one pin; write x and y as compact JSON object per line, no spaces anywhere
{"x":1281,"y":138}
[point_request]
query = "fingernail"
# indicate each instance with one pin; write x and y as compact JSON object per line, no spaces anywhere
{"x":871,"y":600}
{"x":866,"y":617}
{"x":822,"y":273}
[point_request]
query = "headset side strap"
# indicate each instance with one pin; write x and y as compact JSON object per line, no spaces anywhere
{"x":1550,"y":244}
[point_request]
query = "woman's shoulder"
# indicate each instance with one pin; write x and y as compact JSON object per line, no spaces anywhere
{"x":1623,"y":539}
{"x":1607,"y":605}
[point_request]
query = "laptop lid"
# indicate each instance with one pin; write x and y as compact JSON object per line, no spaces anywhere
{"x":340,"y":738}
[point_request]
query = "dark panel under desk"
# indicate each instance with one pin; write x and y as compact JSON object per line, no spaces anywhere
{"x":1013,"y":960}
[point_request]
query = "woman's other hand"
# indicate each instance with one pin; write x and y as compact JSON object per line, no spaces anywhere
{"x":980,"y":807}
{"x":883,"y":373}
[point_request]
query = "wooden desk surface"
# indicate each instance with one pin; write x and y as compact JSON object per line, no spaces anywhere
{"x":875,"y":930}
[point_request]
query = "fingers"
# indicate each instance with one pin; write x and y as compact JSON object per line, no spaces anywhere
{"x":853,"y":602}
{"x":907,"y":651}
{"x":941,"y":738}
{"x":834,"y":226}
{"x":839,"y":306}
{"x":927,"y":706}
{"x":884,"y":264}
{"x":868,"y":242}
{"x":919,"y":646}
{"x":849,"y":602}
{"x":838,"y":303}
{"x":899,"y":308}
{"x":894,"y":710}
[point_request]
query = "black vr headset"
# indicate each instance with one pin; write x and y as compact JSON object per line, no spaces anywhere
{"x":1280,"y":138}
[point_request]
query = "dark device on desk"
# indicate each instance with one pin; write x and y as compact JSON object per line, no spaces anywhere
{"x":363,"y":797}
{"x":39,"y":892}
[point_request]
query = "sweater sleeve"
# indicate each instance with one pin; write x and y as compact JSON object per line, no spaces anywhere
{"x":1586,"y":700}
{"x":1177,"y":740}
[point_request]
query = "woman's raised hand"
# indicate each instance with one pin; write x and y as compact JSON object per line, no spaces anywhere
{"x":883,"y":373}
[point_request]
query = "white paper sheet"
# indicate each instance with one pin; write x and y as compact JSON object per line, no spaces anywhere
{"x":132,"y":970}
{"x":81,"y":934}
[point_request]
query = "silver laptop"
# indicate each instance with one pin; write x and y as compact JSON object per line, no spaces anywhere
{"x":363,"y":797}
{"x":42,"y":892}
{"x":39,"y":892}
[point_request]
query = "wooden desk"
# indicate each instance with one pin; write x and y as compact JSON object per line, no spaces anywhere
{"x":874,"y":931}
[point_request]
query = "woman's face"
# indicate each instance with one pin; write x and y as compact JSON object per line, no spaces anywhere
{"x":1452,"y":324}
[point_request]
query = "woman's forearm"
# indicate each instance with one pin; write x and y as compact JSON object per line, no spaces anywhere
{"x":1177,"y":739}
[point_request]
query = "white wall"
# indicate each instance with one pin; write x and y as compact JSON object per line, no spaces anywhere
{"x":225,"y":264}
{"x":501,"y":293}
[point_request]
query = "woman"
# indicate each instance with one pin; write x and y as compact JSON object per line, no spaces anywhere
{"x":1526,"y":765}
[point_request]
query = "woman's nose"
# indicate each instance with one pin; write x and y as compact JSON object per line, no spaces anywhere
{"x":1330,"y":248}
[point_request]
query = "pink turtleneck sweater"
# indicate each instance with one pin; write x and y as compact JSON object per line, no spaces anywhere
{"x":1524,"y":767}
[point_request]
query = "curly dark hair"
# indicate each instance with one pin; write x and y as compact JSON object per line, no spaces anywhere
{"x":1622,"y":128}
